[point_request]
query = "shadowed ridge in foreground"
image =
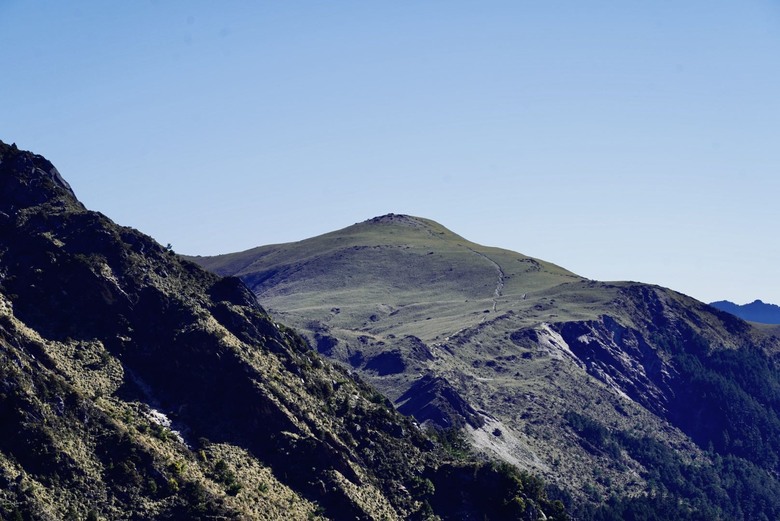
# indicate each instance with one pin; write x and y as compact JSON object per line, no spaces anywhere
{"x":135,"y":385}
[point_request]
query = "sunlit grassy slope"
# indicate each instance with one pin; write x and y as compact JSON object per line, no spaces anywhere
{"x":508,"y":345}
{"x":393,"y":273}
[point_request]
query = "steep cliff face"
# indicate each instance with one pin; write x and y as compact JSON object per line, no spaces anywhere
{"x":689,"y":364}
{"x":135,"y":385}
{"x":637,"y":351}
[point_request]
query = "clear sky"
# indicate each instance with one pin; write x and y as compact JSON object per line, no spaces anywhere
{"x":620,"y":139}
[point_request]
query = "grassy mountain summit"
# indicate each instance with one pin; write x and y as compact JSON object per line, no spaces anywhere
{"x":628,"y":397}
{"x":136,"y":385}
{"x":408,"y":268}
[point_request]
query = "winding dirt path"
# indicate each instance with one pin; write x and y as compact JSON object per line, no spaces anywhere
{"x":500,"y":283}
{"x":500,"y":272}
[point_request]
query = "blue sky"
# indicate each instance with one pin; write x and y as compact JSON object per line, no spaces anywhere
{"x":622,"y":140}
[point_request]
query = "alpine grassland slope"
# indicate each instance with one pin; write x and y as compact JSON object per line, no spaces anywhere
{"x":634,"y":401}
{"x":136,"y":385}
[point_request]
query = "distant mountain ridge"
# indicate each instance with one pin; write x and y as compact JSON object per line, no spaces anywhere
{"x":756,"y":311}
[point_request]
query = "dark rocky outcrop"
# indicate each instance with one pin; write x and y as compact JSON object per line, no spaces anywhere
{"x":620,"y":357}
{"x":433,"y":399}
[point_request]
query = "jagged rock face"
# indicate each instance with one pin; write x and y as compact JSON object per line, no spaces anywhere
{"x":607,"y":389}
{"x":30,"y":180}
{"x":621,"y":358}
{"x":433,"y":399}
{"x":135,"y":385}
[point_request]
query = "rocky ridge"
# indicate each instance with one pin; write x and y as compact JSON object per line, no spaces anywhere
{"x":135,"y":385}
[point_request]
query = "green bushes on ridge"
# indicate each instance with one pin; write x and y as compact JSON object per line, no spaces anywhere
{"x":727,"y":488}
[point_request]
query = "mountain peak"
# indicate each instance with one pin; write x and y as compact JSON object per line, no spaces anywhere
{"x":389,"y":217}
{"x":408,"y":222}
{"x":28,"y":179}
{"x":396,"y":219}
